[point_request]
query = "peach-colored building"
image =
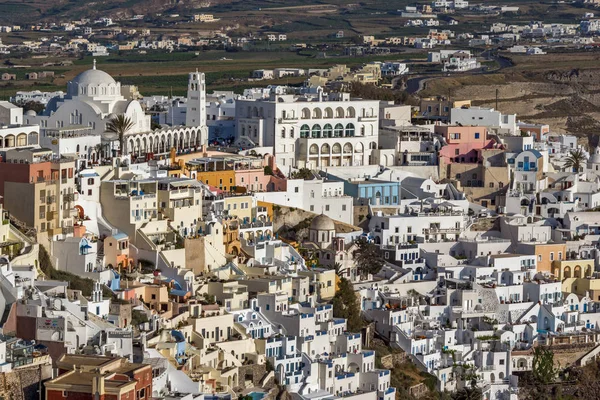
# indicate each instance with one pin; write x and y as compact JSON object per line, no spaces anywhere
{"x":538,"y":131}
{"x":464,"y":143}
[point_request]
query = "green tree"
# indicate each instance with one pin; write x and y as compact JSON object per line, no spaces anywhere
{"x":468,"y":393}
{"x":543,"y":365}
{"x":367,"y":257}
{"x":268,"y":170}
{"x":302,"y":173}
{"x":345,"y":305}
{"x":120,"y":125}
{"x":575,"y":160}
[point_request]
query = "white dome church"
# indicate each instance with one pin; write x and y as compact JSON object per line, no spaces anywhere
{"x":94,"y":98}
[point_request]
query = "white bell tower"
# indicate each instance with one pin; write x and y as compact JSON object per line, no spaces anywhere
{"x":195,"y":113}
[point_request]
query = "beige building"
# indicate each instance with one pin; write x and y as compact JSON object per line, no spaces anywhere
{"x":130,"y":204}
{"x":39,"y":190}
{"x":323,"y":281}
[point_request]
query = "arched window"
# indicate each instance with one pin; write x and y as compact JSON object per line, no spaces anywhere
{"x":283,"y":133}
{"x":338,"y":131}
{"x":336,"y":149}
{"x":325,"y":149}
{"x":327,"y":131}
{"x":339,"y":112}
{"x":350,"y":130}
{"x":317,"y":114}
{"x":304,"y":131}
{"x":316,"y":131}
{"x":347,"y":148}
{"x":314,"y":149}
{"x":328,"y":113}
{"x":292,"y":132}
{"x":305,"y":113}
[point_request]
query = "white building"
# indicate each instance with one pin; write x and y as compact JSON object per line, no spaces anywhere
{"x":36,"y":95}
{"x":313,"y":131}
{"x":481,"y":116}
{"x":94,"y":98}
{"x":317,"y":196}
{"x":13,"y":132}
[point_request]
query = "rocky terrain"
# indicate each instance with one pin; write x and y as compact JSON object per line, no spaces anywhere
{"x":566,"y":99}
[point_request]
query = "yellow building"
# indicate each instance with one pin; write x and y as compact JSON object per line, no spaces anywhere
{"x":564,"y":269}
{"x":222,"y":180}
{"x":582,"y":287}
{"x":325,"y":286}
{"x":239,"y":206}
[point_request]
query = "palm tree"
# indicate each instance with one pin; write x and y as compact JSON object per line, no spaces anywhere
{"x":575,"y":160}
{"x":120,"y":125}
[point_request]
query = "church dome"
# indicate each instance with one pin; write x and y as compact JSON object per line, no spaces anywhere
{"x":322,"y":223}
{"x":94,"y":83}
{"x":93,"y":77}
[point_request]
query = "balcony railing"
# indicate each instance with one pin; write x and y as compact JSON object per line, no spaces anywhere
{"x":69,"y":197}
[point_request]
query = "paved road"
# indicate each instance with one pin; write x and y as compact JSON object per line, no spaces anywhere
{"x":416,"y":84}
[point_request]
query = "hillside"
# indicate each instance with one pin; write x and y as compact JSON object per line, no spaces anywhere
{"x":28,"y":11}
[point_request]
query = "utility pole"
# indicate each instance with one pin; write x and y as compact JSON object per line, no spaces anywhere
{"x":497,"y":93}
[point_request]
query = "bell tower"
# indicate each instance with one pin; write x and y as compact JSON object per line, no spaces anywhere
{"x":195,"y":113}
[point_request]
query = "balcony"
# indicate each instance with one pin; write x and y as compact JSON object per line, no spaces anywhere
{"x":50,"y":199}
{"x":442,"y":230}
{"x":368,"y":118}
{"x":257,"y":224}
{"x":69,"y":197}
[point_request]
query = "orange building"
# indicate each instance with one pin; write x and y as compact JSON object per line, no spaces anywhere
{"x":545,"y":253}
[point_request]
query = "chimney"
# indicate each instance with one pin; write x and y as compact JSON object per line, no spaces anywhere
{"x":98,"y":386}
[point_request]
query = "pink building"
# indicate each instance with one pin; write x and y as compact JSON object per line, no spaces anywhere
{"x":464,"y":143}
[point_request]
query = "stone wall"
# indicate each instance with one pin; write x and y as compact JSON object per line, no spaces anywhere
{"x":256,"y":371}
{"x":23,"y":384}
{"x":393,"y":360}
{"x":418,"y":390}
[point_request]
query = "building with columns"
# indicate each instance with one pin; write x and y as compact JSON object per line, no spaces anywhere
{"x":312,"y":130}
{"x":94,"y":97}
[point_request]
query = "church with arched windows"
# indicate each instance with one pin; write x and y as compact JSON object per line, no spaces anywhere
{"x":79,"y":120}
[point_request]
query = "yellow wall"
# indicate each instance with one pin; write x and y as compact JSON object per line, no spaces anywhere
{"x":233,"y":205}
{"x":582,"y":286}
{"x":223,"y":180}
{"x":572,"y":268}
{"x":544,"y":251}
{"x":323,"y":278}
{"x":268,"y":206}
